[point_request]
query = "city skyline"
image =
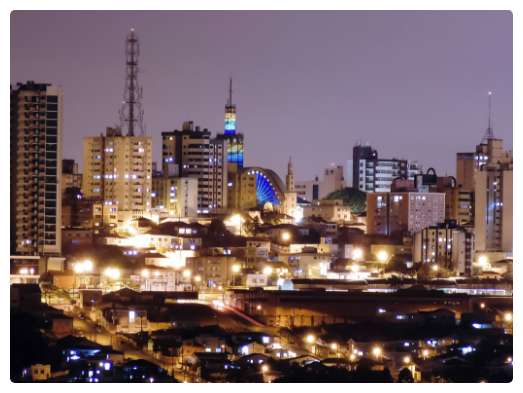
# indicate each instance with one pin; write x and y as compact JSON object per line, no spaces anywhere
{"x":271,"y":104}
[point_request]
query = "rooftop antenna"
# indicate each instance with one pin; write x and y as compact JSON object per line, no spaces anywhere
{"x":229,"y":99}
{"x":131,"y":112}
{"x":490,"y":132}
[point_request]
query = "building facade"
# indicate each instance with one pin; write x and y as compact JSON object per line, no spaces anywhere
{"x":373,"y":174}
{"x":36,"y":168}
{"x":493,"y":197}
{"x":446,"y":244}
{"x":118,"y":173}
{"x":192,"y":152}
{"x":396,"y":213}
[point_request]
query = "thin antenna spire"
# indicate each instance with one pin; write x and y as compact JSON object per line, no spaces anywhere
{"x":229,"y":99}
{"x":490,"y":130}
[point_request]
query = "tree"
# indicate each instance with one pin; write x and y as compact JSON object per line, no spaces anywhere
{"x":354,"y":198}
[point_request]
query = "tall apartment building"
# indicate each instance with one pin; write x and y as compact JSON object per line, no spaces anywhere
{"x":493,"y":197}
{"x":36,"y":167}
{"x":447,"y":244}
{"x":118,"y":174}
{"x":398,"y":213}
{"x":192,"y":152}
{"x":176,"y":196}
{"x":373,"y":174}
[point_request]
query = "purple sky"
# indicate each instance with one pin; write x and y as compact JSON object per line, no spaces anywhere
{"x":307,"y":84}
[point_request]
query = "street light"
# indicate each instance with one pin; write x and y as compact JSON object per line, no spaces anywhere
{"x":198,"y":278}
{"x":507,"y":317}
{"x":382,"y":256}
{"x":406,"y":359}
{"x":112,"y":272}
{"x":186,"y":273}
{"x":264,"y":368}
{"x":377,"y":352}
{"x":145,"y":273}
{"x":236,"y":268}
{"x":435,"y":268}
{"x":357,"y":254}
{"x":285,"y":236}
{"x":267,"y":270}
{"x":310,"y":338}
{"x":425,"y":353}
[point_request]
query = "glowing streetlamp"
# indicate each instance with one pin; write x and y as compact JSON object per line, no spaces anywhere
{"x":382,"y":256}
{"x":236,"y":268}
{"x":357,"y":254}
{"x":425,"y":353}
{"x":507,"y":317}
{"x":145,"y":273}
{"x":310,"y":339}
{"x":112,"y":273}
{"x":186,"y":273}
{"x":377,"y":352}
{"x":267,"y":270}
{"x":264,"y":368}
{"x":198,"y":278}
{"x":483,"y":262}
{"x":406,"y":359}
{"x":285,"y":236}
{"x":435,"y":268}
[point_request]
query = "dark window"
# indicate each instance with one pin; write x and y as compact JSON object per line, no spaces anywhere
{"x":52,"y":99}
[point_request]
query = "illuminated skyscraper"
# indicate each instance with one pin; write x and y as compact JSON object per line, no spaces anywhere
{"x":36,"y":168}
{"x":233,"y":142}
{"x":192,"y":152}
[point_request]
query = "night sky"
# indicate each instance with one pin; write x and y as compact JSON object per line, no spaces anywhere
{"x":306,"y":84}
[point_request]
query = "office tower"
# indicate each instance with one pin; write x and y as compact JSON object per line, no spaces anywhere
{"x":117,"y":174}
{"x":492,"y":188}
{"x":493,"y":198}
{"x":70,"y":175}
{"x":399,"y":213}
{"x":373,"y":174}
{"x":234,"y":146}
{"x":36,"y":167}
{"x":447,"y":244}
{"x":192,"y":152}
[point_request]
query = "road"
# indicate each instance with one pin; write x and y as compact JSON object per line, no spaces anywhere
{"x":88,"y":329}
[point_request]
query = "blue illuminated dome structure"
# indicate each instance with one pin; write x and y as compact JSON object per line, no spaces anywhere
{"x":269,"y":186}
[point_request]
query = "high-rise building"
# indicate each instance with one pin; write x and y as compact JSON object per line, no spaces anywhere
{"x":234,"y":147}
{"x":487,"y":174}
{"x":36,"y":168}
{"x":399,"y":213}
{"x":118,"y":173}
{"x":373,"y":174}
{"x":446,"y":244}
{"x":493,"y":197}
{"x":192,"y":152}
